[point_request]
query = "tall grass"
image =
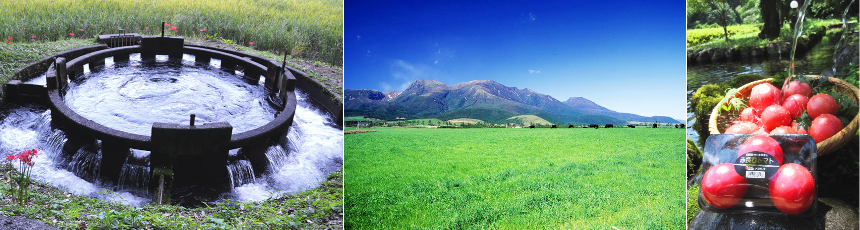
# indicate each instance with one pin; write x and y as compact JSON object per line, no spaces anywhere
{"x":401,"y":178}
{"x":311,"y":29}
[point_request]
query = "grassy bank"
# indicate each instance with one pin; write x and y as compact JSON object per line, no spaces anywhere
{"x":321,"y":207}
{"x":311,"y":29}
{"x":747,"y":35}
{"x":515,"y":179}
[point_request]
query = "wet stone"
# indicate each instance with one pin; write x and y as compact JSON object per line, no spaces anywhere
{"x":17,"y":222}
{"x":832,"y":214}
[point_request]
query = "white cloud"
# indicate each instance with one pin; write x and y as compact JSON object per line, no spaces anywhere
{"x":534,"y":71}
{"x":368,"y":53}
{"x":404,"y":73}
{"x":358,"y":37}
{"x":435,"y":62}
{"x":385,"y":87}
{"x":532,"y":17}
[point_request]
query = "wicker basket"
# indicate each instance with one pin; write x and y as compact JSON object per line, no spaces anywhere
{"x":825,"y":147}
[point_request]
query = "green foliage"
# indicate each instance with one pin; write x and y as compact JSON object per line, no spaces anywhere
{"x":514,"y":179}
{"x":746,"y":36}
{"x":850,"y":74}
{"x":701,"y":36}
{"x":317,"y":208}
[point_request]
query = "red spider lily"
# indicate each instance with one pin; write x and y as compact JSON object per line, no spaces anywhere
{"x":250,"y":43}
{"x":73,"y":34}
{"x":7,"y":41}
{"x":22,"y":30}
{"x":10,"y":38}
{"x":34,"y":36}
{"x":168,"y":25}
{"x":82,"y":30}
{"x":146,"y":27}
{"x":202,"y":30}
{"x":10,"y":157}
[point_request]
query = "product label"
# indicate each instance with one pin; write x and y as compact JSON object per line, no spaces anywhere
{"x":756,"y":165}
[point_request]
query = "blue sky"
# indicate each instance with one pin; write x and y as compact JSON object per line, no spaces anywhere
{"x":628,"y":56}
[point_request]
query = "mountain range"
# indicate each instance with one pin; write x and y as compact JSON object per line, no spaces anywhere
{"x":485,"y":100}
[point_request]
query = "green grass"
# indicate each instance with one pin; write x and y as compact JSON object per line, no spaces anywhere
{"x":14,"y":56}
{"x":741,"y":36}
{"x":318,"y":208}
{"x":515,"y":179}
{"x":311,"y":29}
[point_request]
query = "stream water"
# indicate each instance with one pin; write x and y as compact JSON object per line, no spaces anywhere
{"x":120,"y":96}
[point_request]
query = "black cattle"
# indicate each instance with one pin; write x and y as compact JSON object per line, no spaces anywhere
{"x":553,"y":126}
{"x":531,"y":126}
{"x":570,"y":126}
{"x":608,"y":126}
{"x":676,"y":126}
{"x":631,"y":126}
{"x":654,"y":126}
{"x":593,"y":126}
{"x":683,"y":125}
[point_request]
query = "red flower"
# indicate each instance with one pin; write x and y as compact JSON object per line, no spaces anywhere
{"x":22,"y":30}
{"x":10,"y":38}
{"x":82,"y":30}
{"x":168,"y":25}
{"x":7,"y":41}
{"x":250,"y":43}
{"x":10,"y":157}
{"x":146,"y":27}
{"x":34,"y":36}
{"x":73,"y":34}
{"x":202,"y":30}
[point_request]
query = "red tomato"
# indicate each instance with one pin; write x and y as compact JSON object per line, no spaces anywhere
{"x":796,"y":87}
{"x":761,"y":131}
{"x":748,"y":115}
{"x":783,"y":130}
{"x":764,"y":95}
{"x":762,"y":143}
{"x":795,"y":104}
{"x":722,"y":187}
{"x":775,"y":116}
{"x":792,"y":189}
{"x":824,"y":126}
{"x":821,"y":104}
{"x":742,"y":128}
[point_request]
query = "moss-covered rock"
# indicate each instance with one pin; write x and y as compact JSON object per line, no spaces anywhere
{"x":702,"y":102}
{"x":694,"y":158}
{"x":692,"y":202}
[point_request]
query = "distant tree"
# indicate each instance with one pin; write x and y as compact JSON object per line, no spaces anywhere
{"x":723,"y":12}
{"x":771,"y":19}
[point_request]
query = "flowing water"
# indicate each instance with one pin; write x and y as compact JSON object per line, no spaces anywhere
{"x":314,"y":151}
{"x":130,"y":96}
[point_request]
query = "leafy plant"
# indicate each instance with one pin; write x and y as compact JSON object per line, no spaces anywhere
{"x":20,"y":191}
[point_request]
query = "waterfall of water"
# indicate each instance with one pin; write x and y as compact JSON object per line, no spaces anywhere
{"x":135,"y":174}
{"x":85,"y":163}
{"x":798,"y":30}
{"x":845,"y":33}
{"x":241,"y":172}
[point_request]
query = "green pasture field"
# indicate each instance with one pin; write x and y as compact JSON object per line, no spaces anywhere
{"x":515,"y":179}
{"x":311,"y":29}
